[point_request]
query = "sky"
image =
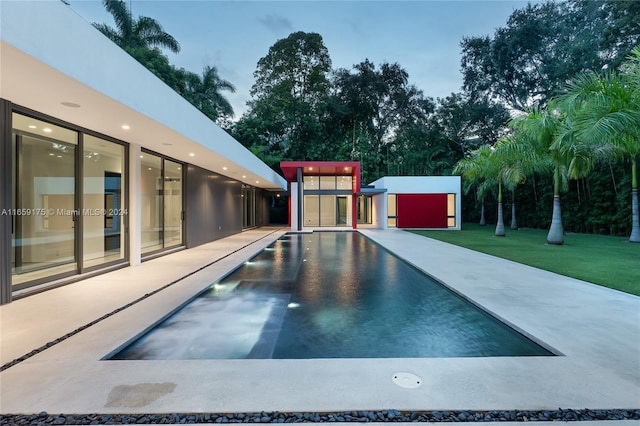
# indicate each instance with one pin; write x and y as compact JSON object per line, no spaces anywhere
{"x":422,"y":36}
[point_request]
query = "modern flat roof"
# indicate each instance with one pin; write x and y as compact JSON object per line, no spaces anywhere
{"x":322,"y":168}
{"x":56,"y":63}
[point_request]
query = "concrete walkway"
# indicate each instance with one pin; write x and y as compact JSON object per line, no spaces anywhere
{"x":596,"y":329}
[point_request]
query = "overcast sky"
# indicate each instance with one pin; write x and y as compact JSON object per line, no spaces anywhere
{"x":422,"y":36}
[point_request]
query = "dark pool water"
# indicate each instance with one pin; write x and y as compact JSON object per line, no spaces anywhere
{"x":329,"y":295}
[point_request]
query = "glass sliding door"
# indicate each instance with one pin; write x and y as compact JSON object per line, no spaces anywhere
{"x":151,"y":196}
{"x":327,"y":210}
{"x":311,"y":210}
{"x":161,"y":203}
{"x":104,"y":205}
{"x":172,"y":204}
{"x":45,"y":210}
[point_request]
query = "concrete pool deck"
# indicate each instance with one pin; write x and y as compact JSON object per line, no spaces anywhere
{"x":597,"y":331}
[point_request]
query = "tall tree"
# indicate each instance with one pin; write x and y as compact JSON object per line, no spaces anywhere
{"x":377,"y":103}
{"x":547,"y":140}
{"x":477,"y":171}
{"x":605,"y":110}
{"x":471,"y":122}
{"x":526,"y":62}
{"x":291,"y":91}
{"x":133,"y":32}
{"x":204,"y":93}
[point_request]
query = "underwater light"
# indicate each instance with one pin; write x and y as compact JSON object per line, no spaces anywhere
{"x":293,"y":305}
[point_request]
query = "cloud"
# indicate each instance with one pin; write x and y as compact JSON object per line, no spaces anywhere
{"x":276,"y":24}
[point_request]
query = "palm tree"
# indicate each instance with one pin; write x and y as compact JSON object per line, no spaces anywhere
{"x":539,"y":128}
{"x":474,"y":169}
{"x":605,"y":109}
{"x":204,"y":93}
{"x":132,"y":33}
{"x":515,"y":164}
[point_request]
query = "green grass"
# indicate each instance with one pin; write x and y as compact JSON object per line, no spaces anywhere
{"x":608,"y":261}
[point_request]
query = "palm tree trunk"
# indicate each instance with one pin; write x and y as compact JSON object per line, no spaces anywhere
{"x":556,"y":231}
{"x":500,"y":225}
{"x":514,"y":221}
{"x":482,"y":220}
{"x":635,"y":215}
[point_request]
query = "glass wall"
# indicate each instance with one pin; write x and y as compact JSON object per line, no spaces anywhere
{"x":161,"y":203}
{"x":327,"y":200}
{"x":104,"y":202}
{"x":43,"y":196}
{"x":69,"y":204}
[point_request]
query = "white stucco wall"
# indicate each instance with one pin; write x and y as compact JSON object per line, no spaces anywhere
{"x":419,"y":184}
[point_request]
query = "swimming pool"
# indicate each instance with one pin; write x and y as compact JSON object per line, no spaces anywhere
{"x":329,"y":295}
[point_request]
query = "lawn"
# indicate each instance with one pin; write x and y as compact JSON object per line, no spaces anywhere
{"x":608,"y":261}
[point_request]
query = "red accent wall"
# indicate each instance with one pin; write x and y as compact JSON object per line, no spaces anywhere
{"x":421,"y":210}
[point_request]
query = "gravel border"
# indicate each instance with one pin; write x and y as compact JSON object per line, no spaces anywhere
{"x":45,"y":418}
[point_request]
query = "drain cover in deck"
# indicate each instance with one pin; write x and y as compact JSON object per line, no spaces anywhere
{"x":407,"y":380}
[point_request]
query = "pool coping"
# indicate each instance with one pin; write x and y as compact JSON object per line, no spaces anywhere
{"x":597,"y":329}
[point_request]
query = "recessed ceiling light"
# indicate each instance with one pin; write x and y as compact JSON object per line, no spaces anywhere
{"x":179,"y":168}
{"x":149,"y":168}
{"x":126,"y":127}
{"x":142,"y":156}
{"x":47,"y":130}
{"x":191,"y":154}
{"x":257,"y":181}
{"x":33,"y":127}
{"x":244,"y":176}
{"x":51,"y":154}
{"x":224,"y":168}
{"x":70,"y":104}
{"x":59,"y":156}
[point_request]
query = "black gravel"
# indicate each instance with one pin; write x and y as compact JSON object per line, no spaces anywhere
{"x":44,"y":418}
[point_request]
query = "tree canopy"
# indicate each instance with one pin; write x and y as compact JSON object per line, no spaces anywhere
{"x":143,"y":38}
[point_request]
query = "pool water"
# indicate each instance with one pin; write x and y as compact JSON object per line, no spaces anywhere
{"x":329,"y":295}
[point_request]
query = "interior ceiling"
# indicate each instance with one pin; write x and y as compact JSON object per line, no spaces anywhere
{"x":30,"y":83}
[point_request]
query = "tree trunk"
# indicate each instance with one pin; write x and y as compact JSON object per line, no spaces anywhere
{"x":635,"y":216}
{"x":500,"y":225}
{"x":556,"y":231}
{"x":514,"y":221}
{"x":482,"y":221}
